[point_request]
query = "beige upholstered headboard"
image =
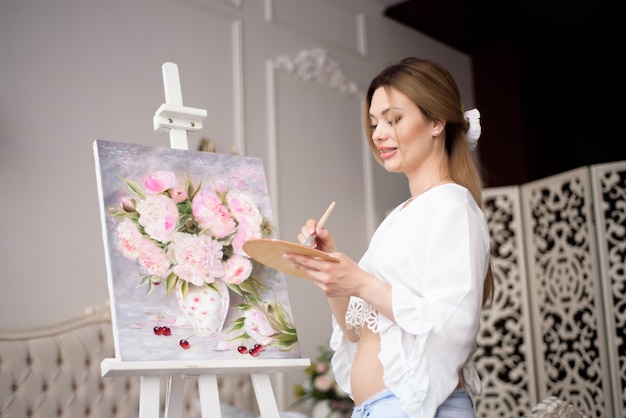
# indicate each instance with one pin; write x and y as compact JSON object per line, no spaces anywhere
{"x":55,"y":371}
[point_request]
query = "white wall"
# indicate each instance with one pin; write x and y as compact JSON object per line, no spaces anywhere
{"x":74,"y":71}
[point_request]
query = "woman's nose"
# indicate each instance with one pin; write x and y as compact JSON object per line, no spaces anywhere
{"x":379,"y":133}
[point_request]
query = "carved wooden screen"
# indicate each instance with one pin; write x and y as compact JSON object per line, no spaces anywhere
{"x":568,"y":324}
{"x":504,"y":354}
{"x":609,"y":187}
{"x":557,"y":326}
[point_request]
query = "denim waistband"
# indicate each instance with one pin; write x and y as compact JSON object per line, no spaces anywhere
{"x":382,"y":404}
{"x":377,"y":397}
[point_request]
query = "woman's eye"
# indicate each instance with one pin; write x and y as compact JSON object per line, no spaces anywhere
{"x":373,"y":127}
{"x":393,"y":121}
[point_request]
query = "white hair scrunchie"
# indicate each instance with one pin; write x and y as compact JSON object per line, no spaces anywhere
{"x":473,"y":133}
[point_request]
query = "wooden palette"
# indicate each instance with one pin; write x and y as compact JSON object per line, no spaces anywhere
{"x":270,"y":253}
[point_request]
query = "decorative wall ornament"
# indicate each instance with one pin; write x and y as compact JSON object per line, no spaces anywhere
{"x":315,"y":65}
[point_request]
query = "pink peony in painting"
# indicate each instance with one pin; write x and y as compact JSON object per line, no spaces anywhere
{"x":181,"y":286}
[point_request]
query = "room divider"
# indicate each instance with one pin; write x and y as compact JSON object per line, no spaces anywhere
{"x":557,"y":324}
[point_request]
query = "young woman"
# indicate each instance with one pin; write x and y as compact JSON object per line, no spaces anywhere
{"x":406,"y":316}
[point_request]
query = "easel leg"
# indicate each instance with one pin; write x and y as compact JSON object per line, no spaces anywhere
{"x":209,"y":396}
{"x":174,"y":396}
{"x":264,"y":395}
{"x":149,"y":402}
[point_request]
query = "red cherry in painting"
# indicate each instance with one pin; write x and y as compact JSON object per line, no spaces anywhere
{"x":167,"y":331}
{"x":184,"y":344}
{"x":242,"y":349}
{"x":259,"y":347}
{"x":158,"y":330}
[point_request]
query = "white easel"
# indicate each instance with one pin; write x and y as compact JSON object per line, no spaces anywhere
{"x":178,"y":119}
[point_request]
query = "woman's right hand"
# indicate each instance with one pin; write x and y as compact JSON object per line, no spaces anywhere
{"x":323,"y":241}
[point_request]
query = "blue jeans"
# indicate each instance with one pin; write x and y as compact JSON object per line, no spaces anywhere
{"x":460,"y":404}
{"x":385,"y":404}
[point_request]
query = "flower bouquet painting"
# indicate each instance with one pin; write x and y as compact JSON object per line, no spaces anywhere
{"x":181,"y":287}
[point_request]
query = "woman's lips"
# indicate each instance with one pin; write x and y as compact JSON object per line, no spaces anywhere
{"x":386,"y":153}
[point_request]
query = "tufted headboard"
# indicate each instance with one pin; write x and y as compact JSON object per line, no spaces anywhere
{"x":55,"y":371}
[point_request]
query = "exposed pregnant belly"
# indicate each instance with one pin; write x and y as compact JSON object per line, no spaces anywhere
{"x":366,"y":378}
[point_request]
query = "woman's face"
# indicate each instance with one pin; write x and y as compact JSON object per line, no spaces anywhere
{"x":402,"y":134}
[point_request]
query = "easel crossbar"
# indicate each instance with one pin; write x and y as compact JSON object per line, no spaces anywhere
{"x":113,"y":367}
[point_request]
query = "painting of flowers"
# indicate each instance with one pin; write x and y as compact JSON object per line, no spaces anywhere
{"x":181,"y":286}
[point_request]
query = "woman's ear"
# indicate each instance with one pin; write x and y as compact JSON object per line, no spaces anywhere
{"x":438,"y":127}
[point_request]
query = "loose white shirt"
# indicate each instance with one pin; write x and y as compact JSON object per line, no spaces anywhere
{"x":434,"y":253}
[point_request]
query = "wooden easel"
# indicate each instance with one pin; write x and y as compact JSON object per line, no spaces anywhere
{"x":179,"y":120}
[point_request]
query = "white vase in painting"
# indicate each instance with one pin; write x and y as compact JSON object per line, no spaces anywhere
{"x":205,"y":307}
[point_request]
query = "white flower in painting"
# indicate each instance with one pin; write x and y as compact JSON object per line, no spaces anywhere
{"x":258,"y":327}
{"x":245,"y":211}
{"x":197,"y":259}
{"x":158,"y":214}
{"x":152,"y":259}
{"x":129,"y":239}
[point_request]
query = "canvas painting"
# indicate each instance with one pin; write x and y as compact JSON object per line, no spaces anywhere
{"x":180,"y":285}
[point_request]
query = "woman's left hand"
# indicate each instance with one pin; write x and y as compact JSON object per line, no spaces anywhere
{"x":335,"y":279}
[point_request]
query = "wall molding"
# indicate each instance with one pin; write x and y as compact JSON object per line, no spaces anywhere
{"x":351,"y":21}
{"x":309,"y":65}
{"x":238,"y":87}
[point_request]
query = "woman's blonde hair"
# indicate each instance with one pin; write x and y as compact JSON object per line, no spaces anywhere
{"x":431,"y":87}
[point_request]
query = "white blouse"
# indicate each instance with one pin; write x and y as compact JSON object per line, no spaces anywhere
{"x":434,"y":253}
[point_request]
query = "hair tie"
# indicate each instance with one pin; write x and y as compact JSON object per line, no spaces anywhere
{"x":473,"y":132}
